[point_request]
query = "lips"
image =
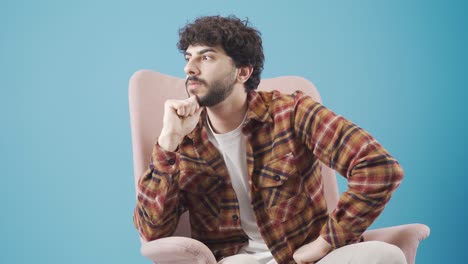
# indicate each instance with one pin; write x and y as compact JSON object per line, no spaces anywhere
{"x":190,"y":83}
{"x":193,"y":80}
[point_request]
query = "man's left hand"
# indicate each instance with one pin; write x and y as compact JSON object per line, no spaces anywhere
{"x":312,"y":252}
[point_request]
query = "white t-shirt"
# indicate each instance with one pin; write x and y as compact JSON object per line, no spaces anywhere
{"x":232,"y":146}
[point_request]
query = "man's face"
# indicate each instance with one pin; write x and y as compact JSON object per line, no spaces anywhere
{"x":211,"y":74}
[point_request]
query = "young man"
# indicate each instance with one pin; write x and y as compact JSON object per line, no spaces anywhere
{"x":246,"y":164}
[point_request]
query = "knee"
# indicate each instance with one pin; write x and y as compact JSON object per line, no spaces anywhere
{"x":240,"y":258}
{"x":386,"y":253}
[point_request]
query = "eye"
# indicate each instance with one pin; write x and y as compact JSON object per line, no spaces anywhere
{"x":187,"y":59}
{"x":206,"y":57}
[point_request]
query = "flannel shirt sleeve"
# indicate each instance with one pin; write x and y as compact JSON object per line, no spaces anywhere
{"x":371,"y":172}
{"x":157,"y":208}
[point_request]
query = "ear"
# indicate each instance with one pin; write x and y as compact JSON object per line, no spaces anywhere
{"x":244,"y":73}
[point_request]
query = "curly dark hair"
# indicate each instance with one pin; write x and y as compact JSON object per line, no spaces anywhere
{"x":240,"y":41}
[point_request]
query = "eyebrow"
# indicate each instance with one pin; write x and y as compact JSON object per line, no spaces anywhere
{"x":201,"y":51}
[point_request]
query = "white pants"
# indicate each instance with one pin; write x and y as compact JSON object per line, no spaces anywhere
{"x":372,"y":252}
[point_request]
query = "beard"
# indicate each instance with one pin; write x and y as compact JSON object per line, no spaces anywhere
{"x":217,"y":90}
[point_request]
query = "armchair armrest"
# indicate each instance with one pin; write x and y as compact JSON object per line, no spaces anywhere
{"x":406,"y":237}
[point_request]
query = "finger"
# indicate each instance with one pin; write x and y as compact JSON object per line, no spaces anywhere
{"x":194,"y":108}
{"x":191,"y":106}
{"x":174,"y":104}
{"x":198,"y":111}
{"x":194,"y":99}
{"x":182,"y":108}
{"x":194,"y":104}
{"x":185,"y":107}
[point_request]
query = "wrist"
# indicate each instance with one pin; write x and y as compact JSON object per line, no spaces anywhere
{"x":169,"y":141}
{"x":324,"y":245}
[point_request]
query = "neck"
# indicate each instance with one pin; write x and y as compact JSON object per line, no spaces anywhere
{"x":228,"y":115}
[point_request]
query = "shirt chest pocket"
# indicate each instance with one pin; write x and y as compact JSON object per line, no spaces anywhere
{"x":278,"y":180}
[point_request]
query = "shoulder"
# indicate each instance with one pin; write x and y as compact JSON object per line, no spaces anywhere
{"x":277,"y":101}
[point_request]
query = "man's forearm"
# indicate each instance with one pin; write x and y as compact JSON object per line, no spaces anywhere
{"x":372,"y":173}
{"x":157,"y":196}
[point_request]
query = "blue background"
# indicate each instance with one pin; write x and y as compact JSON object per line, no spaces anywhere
{"x":67,"y":195}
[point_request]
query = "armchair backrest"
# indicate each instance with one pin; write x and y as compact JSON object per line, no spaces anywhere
{"x":148,"y":90}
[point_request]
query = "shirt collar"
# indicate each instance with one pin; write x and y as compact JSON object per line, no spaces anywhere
{"x":257,"y":110}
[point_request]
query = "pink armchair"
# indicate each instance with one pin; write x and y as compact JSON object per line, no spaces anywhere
{"x":147,"y":92}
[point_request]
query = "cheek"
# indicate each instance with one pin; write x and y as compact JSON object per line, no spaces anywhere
{"x":219,"y":72}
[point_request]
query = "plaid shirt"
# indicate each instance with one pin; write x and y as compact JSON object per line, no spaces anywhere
{"x":287,"y":136}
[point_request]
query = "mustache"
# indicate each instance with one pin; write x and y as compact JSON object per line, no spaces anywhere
{"x":194,"y":78}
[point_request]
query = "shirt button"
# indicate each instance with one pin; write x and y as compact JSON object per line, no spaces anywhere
{"x":277,"y":178}
{"x":171,"y":161}
{"x":235,"y":217}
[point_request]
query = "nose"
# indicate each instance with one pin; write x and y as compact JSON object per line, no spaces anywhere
{"x":191,"y":68}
